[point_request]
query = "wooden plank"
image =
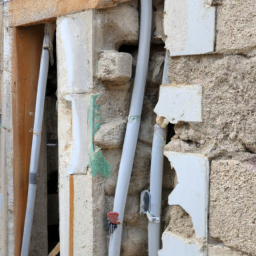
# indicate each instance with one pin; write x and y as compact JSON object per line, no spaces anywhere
{"x":71,"y":215}
{"x":25,"y":71}
{"x":25,"y":12}
{"x":55,"y":250}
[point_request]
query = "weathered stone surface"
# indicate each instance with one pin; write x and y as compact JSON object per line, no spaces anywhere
{"x":111,"y":135}
{"x":117,"y":107}
{"x":134,"y":241}
{"x":236,"y":26}
{"x":228,"y":101}
{"x":218,"y":250}
{"x":140,"y":174}
{"x":115,"y":66}
{"x":232,"y":204}
{"x":180,"y":223}
{"x":112,"y":28}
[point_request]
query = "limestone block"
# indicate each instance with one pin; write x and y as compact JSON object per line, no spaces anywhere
{"x":83,"y":215}
{"x":74,"y":53}
{"x":232,"y":207}
{"x":189,"y":26}
{"x":112,"y":28}
{"x":115,"y":66}
{"x":141,"y":169}
{"x":218,"y":250}
{"x":111,"y":135}
{"x":113,"y":104}
{"x":228,"y":102}
{"x":134,"y":241}
{"x":180,"y":103}
{"x":73,"y":133}
{"x":235,"y":26}
{"x":191,"y":193}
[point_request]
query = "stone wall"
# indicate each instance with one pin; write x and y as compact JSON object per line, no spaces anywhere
{"x":226,"y":136}
{"x":96,"y":71}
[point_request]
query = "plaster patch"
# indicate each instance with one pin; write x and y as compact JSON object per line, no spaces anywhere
{"x":180,"y":103}
{"x":80,"y":156}
{"x":189,"y":26}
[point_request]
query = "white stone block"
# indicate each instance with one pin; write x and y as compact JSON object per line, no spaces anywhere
{"x":115,"y":66}
{"x":175,"y":246}
{"x":191,"y":193}
{"x":74,"y":40}
{"x":79,"y":150}
{"x":83,"y":215}
{"x":189,"y":26}
{"x":180,"y":103}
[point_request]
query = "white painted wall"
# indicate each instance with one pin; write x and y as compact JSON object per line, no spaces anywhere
{"x":189,"y":26}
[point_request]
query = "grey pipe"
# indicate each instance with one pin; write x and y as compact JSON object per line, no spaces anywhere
{"x":132,"y":130}
{"x":36,"y":142}
{"x":156,"y":177}
{"x":156,"y":180}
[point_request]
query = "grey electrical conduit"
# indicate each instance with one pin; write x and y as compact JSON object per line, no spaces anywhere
{"x":156,"y":178}
{"x":132,"y":129}
{"x":36,"y":142}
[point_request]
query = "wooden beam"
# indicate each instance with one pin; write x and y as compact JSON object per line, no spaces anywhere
{"x":27,"y":12}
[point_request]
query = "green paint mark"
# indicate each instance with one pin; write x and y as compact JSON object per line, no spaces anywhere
{"x":98,"y":164}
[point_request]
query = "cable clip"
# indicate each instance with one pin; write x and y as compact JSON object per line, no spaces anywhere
{"x":152,"y":218}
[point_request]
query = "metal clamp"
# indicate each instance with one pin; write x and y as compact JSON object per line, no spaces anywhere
{"x":152,"y":218}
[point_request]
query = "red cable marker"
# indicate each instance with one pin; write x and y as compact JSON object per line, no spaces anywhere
{"x":113,"y":221}
{"x":113,"y":217}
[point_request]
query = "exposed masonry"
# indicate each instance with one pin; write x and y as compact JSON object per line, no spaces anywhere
{"x":226,"y":134}
{"x":94,"y":61}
